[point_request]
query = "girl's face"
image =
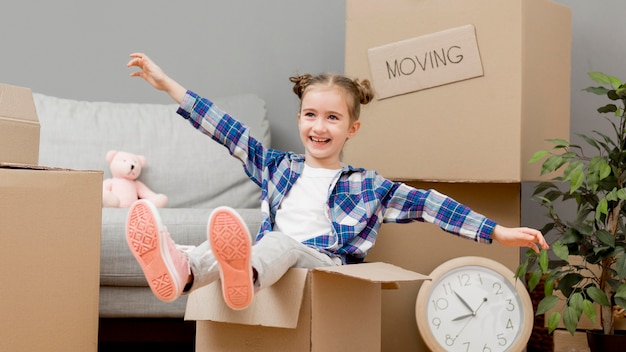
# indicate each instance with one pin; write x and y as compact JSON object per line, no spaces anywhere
{"x":325,"y":125}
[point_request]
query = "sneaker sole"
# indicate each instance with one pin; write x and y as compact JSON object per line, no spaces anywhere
{"x":150,"y":251}
{"x":231,"y":244}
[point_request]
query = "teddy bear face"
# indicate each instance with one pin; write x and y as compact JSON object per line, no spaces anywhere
{"x":125,"y":165}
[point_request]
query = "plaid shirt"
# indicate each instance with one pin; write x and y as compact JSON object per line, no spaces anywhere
{"x":359,"y":200}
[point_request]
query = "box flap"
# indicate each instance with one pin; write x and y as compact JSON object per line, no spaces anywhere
{"x":275,"y":306}
{"x":21,"y":166}
{"x":16,"y":103}
{"x":375,"y":272}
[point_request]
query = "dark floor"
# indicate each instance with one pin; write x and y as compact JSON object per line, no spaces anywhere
{"x":139,"y":334}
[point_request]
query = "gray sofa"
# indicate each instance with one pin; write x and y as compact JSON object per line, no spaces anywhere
{"x":195,"y":173}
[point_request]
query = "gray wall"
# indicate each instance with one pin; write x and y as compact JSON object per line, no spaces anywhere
{"x":597,"y":45}
{"x":78,"y":49}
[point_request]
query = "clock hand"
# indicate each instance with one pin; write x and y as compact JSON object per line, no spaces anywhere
{"x":463,"y":317}
{"x":464,"y":302}
{"x":481,"y":304}
{"x":471,"y":316}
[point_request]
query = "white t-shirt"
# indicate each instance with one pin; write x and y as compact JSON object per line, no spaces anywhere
{"x":302,"y":213}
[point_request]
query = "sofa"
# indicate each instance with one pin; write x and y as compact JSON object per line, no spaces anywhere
{"x":195,"y":173}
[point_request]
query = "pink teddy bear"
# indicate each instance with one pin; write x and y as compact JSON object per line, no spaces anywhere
{"x":123,"y":188}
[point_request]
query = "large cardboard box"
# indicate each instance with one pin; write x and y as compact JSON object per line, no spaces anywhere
{"x":19,"y":126}
{"x":422,"y":247}
{"x":479,"y":127}
{"x":324,"y":310}
{"x":50,"y":225}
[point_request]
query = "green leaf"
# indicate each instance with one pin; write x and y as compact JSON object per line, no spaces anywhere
{"x":606,"y":238}
{"x":608,"y":108}
{"x":546,"y":304}
{"x":602,"y":208}
{"x":548,"y":287}
{"x":577,"y":177}
{"x":598,"y":296}
{"x":605,"y":170}
{"x":621,"y":193}
{"x":615,"y":82}
{"x":535,"y":277}
{"x":560,"y":250}
{"x":590,"y":141}
{"x":543,"y":260}
{"x":621,"y":291}
{"x":620,"y":296}
{"x":570,"y":319}
{"x":599,"y":77}
{"x":538,"y":155}
{"x":553,"y":321}
{"x":596,"y":90}
{"x":590,"y":310}
{"x":620,"y":267}
{"x":558,"y":143}
{"x":551,"y":164}
{"x":576,"y":302}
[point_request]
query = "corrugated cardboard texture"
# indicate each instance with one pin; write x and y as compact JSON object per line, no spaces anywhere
{"x":482,"y":129}
{"x":340,"y":308}
{"x":49,"y":259}
{"x":276,"y":306}
{"x":565,"y":342}
{"x":422,"y":247}
{"x":19,"y":126}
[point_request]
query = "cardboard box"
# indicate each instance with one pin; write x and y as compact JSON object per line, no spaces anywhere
{"x":49,"y":258}
{"x":326,"y":309}
{"x":19,"y":126}
{"x":565,"y":342}
{"x":482,"y":128}
{"x":422,"y":247}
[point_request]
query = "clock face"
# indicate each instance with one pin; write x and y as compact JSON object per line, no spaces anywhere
{"x":472,"y":307}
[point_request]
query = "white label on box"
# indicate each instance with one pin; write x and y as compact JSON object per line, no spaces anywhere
{"x":426,"y":61}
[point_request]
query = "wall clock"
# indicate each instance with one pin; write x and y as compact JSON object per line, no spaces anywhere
{"x":474,"y":304}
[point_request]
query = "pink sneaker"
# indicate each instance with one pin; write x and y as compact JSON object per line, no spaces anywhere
{"x":231,"y":244}
{"x":165,"y":267}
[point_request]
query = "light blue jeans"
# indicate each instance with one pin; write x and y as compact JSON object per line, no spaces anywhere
{"x":272,"y":256}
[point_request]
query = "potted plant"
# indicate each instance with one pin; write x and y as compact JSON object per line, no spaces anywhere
{"x":590,"y":243}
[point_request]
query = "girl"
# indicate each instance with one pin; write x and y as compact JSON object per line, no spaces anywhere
{"x":316,"y":211}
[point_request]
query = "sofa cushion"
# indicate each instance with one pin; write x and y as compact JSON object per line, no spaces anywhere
{"x":182,"y":163}
{"x":186,"y":227}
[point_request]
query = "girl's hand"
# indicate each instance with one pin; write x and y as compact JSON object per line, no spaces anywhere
{"x":520,"y":236}
{"x":155,"y":76}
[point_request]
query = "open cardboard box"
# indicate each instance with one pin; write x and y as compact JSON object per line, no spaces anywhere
{"x":325,"y":309}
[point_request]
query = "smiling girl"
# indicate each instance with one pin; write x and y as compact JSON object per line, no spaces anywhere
{"x":316,"y":211}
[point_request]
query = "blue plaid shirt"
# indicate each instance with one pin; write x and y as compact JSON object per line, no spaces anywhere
{"x":359,"y":200}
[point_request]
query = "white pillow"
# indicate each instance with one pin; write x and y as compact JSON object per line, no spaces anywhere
{"x":187,"y":166}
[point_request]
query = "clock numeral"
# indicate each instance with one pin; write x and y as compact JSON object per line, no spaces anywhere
{"x":480,"y":279}
{"x":440,"y":304}
{"x":467,"y":346}
{"x":447,"y":287}
{"x":509,"y":325}
{"x":510,"y":307}
{"x":436,"y":322}
{"x":498,"y":287}
{"x":449,"y":340}
{"x":464,"y":280}
{"x":486,"y":349}
{"x":501,"y":340}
